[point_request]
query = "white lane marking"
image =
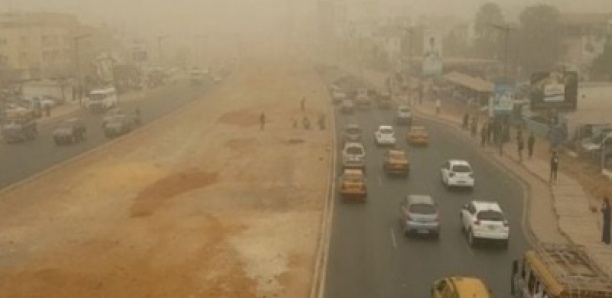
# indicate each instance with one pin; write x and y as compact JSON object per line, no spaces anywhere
{"x":393,"y":241}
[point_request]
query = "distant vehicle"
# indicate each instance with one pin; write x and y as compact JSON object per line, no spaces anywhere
{"x":417,"y":135}
{"x":353,"y":156}
{"x":347,"y":106}
{"x":420,"y":216}
{"x":118,"y":125}
{"x":101,"y":100}
{"x":482,"y":220}
{"x":197,"y":76}
{"x":363,"y":100}
{"x":110,"y":114}
{"x":396,"y":162}
{"x":338,"y":96}
{"x":457,"y":173}
{"x":384,"y":101}
{"x":352,"y":185}
{"x":19,"y":125}
{"x":384,"y":135}
{"x":461,"y":287}
{"x":403,"y":115}
{"x":69,"y":132}
{"x":352,"y":133}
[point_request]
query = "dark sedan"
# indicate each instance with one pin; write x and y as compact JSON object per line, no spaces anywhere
{"x":69,"y":132}
{"x":118,"y":125}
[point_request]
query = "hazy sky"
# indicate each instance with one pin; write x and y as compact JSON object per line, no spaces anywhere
{"x":202,"y":16}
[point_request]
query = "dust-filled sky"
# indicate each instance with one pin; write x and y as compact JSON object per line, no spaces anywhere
{"x":154,"y":17}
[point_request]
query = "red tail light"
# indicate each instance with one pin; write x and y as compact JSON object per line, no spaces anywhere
{"x":451,"y":174}
{"x":477,"y":222}
{"x":506,"y":224}
{"x":408,"y":216}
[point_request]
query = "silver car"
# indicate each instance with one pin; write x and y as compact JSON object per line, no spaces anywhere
{"x":420,"y":216}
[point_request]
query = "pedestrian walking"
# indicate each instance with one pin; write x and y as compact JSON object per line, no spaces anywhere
{"x":303,"y":103}
{"x":474,"y":127}
{"x":438,"y":106}
{"x":466,"y":119}
{"x":483,"y":135}
{"x":322,"y":121}
{"x":48,"y":110}
{"x":295,"y":123}
{"x":306,"y":122}
{"x":262,"y":121}
{"x":554,"y":166}
{"x":520,"y":144}
{"x":530,"y":144}
{"x":606,"y":212}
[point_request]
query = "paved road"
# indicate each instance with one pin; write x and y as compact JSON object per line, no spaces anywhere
{"x":370,"y":258}
{"x":19,"y":161}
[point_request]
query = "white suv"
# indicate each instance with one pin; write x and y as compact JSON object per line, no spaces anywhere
{"x":457,"y":173}
{"x":483,"y":220}
{"x":384,"y":135}
{"x":353,"y":155}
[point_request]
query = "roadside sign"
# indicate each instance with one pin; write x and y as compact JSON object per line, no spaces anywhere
{"x":501,"y":102}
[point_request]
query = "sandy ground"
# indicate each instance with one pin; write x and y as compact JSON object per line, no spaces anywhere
{"x":200,"y":204}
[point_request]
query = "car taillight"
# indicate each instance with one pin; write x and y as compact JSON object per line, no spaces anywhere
{"x":408,"y":217}
{"x":506,"y":224}
{"x":437,"y":216}
{"x":471,"y":175}
{"x":451,"y":174}
{"x":477,"y":222}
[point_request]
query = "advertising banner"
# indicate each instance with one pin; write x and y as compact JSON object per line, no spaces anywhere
{"x":432,"y":53}
{"x":554,"y":90}
{"x":502,"y":99}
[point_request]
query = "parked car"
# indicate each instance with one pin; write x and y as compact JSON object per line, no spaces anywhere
{"x":69,"y":132}
{"x":110,"y":114}
{"x":353,"y":156}
{"x":352,"y":185}
{"x":483,"y":220}
{"x":384,"y":135}
{"x":419,"y":215}
{"x":457,"y":173}
{"x":352,"y":133}
{"x":396,"y":162}
{"x":403,"y":116}
{"x":118,"y":125}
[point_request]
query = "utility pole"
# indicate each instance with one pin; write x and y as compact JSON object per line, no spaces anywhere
{"x":78,"y":65}
{"x":410,"y":32}
{"x":503,"y":122}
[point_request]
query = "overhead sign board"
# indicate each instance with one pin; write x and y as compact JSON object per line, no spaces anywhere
{"x":502,"y":99}
{"x":432,"y":53}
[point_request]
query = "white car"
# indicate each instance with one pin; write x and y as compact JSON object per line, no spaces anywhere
{"x":457,"y":173}
{"x":384,"y":135}
{"x":483,"y":220}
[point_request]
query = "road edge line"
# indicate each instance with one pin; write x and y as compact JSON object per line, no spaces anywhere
{"x":136,"y":133}
{"x":320,"y":271}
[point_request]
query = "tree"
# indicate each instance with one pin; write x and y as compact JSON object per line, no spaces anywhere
{"x":487,"y":39}
{"x":602,"y":65}
{"x":539,"y":43}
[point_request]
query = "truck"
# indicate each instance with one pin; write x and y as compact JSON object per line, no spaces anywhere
{"x":556,"y":270}
{"x":19,"y":126}
{"x":102,"y":99}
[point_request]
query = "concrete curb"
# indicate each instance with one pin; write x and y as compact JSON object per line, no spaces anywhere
{"x":127,"y":137}
{"x":320,"y":269}
{"x":526,"y":188}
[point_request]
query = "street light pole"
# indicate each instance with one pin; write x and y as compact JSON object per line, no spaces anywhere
{"x":410,"y":32}
{"x":78,"y":65}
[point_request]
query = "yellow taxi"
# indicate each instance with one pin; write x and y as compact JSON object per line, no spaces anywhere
{"x":352,"y":185}
{"x":460,"y":287}
{"x":417,"y":135}
{"x":396,"y":162}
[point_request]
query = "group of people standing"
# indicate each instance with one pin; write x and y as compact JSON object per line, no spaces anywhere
{"x":305,"y":120}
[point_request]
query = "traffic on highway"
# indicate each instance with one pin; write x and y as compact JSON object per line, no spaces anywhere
{"x":429,"y":207}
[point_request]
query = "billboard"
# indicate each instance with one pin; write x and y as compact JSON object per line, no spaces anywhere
{"x":501,"y":101}
{"x":554,"y":90}
{"x":432,"y":53}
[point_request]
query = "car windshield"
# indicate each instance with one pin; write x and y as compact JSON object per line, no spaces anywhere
{"x":397,"y":155}
{"x":461,"y":169}
{"x":490,"y":215}
{"x":422,"y":208}
{"x":354,"y":150}
{"x":386,"y":131}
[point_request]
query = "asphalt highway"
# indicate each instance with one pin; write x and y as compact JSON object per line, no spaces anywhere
{"x":369,"y":257}
{"x":21,"y":160}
